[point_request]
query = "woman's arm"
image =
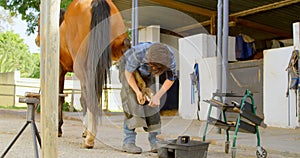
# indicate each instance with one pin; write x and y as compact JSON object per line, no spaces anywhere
{"x":155,"y":100}
{"x":132,"y":83}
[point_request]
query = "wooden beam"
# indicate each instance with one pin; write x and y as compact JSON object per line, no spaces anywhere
{"x":184,"y":7}
{"x":189,"y":27}
{"x":264,"y":8}
{"x":193,"y":26}
{"x":264,"y":28}
{"x":49,"y":68}
{"x":249,"y":12}
{"x":169,"y":32}
{"x":243,"y":22}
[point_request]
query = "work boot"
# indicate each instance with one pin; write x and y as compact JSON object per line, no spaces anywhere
{"x":131,"y":148}
{"x":153,"y":148}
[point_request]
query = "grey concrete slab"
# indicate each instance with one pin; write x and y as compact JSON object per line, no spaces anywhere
{"x":279,"y":143}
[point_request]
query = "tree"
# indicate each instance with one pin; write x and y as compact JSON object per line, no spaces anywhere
{"x":28,"y":9}
{"x":15,"y":55}
{"x":36,"y":70}
{"x":6,"y":21}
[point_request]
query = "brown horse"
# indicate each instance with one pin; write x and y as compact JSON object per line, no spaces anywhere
{"x":91,"y":35}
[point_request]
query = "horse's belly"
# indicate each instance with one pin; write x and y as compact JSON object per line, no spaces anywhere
{"x":66,"y":62}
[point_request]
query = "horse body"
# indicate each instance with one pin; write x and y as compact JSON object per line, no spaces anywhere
{"x":73,"y":30}
{"x":91,"y":35}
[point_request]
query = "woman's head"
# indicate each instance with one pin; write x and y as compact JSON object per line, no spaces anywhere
{"x":158,"y":58}
{"x":157,"y":68}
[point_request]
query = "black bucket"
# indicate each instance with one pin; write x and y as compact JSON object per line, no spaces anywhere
{"x":182,"y":147}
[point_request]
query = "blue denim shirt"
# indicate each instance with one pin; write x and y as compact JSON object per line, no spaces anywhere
{"x":136,"y":58}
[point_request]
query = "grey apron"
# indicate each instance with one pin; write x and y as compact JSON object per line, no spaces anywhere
{"x":137,"y":115}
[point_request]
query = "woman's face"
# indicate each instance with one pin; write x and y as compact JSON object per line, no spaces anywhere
{"x":157,"y":69}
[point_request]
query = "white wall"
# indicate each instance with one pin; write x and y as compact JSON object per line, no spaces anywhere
{"x":279,"y":110}
{"x":208,"y":46}
{"x":191,"y":51}
{"x":7,"y":88}
{"x":199,"y":48}
{"x":150,"y":34}
{"x":172,"y":41}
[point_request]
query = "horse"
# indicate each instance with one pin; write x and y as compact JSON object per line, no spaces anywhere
{"x":92,"y":35}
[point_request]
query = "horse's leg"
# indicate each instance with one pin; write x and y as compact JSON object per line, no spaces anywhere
{"x":61,"y":100}
{"x":84,"y":109}
{"x":142,"y":85}
{"x":89,"y":122}
{"x":90,"y":131}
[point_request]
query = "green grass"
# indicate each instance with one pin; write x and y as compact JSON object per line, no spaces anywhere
{"x":116,"y":110}
{"x":66,"y":107}
{"x":11,"y":107}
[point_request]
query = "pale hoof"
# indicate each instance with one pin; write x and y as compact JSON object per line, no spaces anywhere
{"x":84,"y":133}
{"x":88,"y":145}
{"x":89,"y":141}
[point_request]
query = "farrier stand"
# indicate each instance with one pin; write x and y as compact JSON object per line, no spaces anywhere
{"x":31,"y":103}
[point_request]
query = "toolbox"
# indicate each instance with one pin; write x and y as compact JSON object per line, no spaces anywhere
{"x":182,"y":147}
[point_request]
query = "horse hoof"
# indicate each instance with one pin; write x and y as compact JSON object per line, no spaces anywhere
{"x":89,"y":140}
{"x":88,"y":143}
{"x":59,"y":134}
{"x":88,"y":146}
{"x":84,"y":133}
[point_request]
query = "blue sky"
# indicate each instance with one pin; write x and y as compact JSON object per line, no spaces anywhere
{"x":20,"y":27}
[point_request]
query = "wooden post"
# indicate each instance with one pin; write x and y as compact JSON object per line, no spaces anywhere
{"x":296,"y":35}
{"x":106,"y":91}
{"x":49,"y":69}
{"x":213,"y":24}
{"x":296,"y":40}
{"x":72,"y":101}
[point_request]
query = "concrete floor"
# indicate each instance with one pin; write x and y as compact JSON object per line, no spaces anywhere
{"x":279,"y":143}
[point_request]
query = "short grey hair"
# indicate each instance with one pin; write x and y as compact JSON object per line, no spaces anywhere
{"x":159,"y":53}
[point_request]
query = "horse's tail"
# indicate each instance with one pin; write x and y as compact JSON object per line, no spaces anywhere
{"x":98,"y":54}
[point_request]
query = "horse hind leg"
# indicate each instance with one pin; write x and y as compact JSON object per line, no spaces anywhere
{"x":89,"y":140}
{"x":84,"y":109}
{"x":84,"y":133}
{"x":147,"y":92}
{"x":89,"y":121}
{"x":60,"y":117}
{"x":90,"y":130}
{"x":61,"y":101}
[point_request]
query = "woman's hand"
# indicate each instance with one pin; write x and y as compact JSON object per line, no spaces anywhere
{"x":155,"y":101}
{"x":140,"y":98}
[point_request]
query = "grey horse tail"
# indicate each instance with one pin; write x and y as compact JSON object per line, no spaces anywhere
{"x":98,"y":55}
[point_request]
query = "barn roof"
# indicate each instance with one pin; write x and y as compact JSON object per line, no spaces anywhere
{"x":262,"y":20}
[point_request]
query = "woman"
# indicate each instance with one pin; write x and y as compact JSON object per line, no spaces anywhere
{"x":149,"y":60}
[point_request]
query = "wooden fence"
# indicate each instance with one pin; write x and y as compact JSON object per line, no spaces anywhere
{"x":11,"y":92}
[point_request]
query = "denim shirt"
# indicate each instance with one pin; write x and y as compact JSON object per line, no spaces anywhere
{"x":137,"y":58}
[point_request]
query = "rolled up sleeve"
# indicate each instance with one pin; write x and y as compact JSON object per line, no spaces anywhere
{"x":172,"y":73}
{"x":134,"y":60}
